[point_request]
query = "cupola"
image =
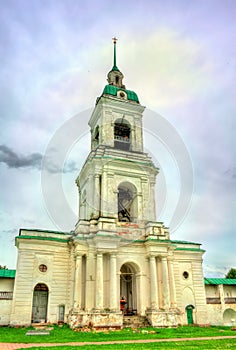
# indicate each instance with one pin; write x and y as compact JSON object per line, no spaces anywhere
{"x":115,"y":87}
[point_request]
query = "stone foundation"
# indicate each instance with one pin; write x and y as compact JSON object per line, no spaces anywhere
{"x":159,"y":318}
{"x":96,"y":319}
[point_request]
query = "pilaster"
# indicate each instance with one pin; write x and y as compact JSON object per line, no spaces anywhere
{"x":97,"y":196}
{"x":165,"y":277}
{"x":99,"y":282}
{"x":170,"y":263}
{"x":78,"y":281}
{"x":153,"y":282}
{"x":113,"y":283}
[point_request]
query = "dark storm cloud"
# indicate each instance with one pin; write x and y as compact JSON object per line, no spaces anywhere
{"x":33,"y":161}
{"x":14,"y":160}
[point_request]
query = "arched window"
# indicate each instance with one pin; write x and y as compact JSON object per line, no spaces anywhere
{"x":122,"y":134}
{"x":127,"y":202}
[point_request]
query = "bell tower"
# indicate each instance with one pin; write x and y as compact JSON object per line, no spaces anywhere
{"x":117,"y":182}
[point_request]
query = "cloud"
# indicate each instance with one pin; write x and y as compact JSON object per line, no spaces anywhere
{"x":70,"y":167}
{"x":14,"y":160}
{"x":33,"y":161}
{"x":53,"y":168}
{"x":215,"y":271}
{"x":9,"y":232}
{"x":231,"y":173}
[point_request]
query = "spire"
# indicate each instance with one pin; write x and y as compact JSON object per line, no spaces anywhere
{"x":115,"y":76}
{"x":115,"y":81}
{"x":114,"y":65}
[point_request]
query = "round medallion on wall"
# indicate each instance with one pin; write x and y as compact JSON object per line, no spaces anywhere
{"x":42,"y":268}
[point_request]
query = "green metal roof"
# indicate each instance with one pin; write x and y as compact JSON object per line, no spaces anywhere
{"x":7,"y":273}
{"x":191,"y":249}
{"x":112,"y":90}
{"x":42,"y":238}
{"x":231,"y":281}
{"x":184,"y":242}
{"x":48,"y":231}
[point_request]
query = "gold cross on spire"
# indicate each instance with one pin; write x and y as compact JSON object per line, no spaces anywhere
{"x":114,"y":40}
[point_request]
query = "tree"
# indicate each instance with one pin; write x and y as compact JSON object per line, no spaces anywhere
{"x":231,"y":273}
{"x":3,"y":267}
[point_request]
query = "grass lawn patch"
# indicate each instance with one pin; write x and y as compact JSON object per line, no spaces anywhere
{"x":191,"y":345}
{"x":65,"y":334}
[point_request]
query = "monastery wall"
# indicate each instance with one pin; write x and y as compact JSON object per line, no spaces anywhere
{"x":6,"y":292}
{"x":221,"y":304}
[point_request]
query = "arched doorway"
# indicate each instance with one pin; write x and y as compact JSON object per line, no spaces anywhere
{"x":128,"y":288}
{"x":40,"y":303}
{"x":189,"y":311}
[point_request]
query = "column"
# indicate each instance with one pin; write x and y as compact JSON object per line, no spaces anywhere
{"x":113,"y":283}
{"x":166,"y":290}
{"x":172,"y":283}
{"x":90,"y":280}
{"x":78,"y":281}
{"x":221,"y":294}
{"x":153,"y":282}
{"x":99,"y":282}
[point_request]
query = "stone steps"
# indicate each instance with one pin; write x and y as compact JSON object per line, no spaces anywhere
{"x":135,"y":322}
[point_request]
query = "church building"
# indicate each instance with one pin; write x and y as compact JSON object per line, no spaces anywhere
{"x":119,"y":261}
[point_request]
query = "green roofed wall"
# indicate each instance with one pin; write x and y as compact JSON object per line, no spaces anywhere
{"x":217,"y":281}
{"x":112,"y":90}
{"x":7,"y":273}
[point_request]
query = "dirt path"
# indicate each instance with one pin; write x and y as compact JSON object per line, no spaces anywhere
{"x":14,"y":346}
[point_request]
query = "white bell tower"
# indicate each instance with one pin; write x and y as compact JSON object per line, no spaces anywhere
{"x":117,"y":182}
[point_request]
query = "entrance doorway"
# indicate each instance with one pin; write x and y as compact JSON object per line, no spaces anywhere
{"x":40,"y":303}
{"x":128,"y":289}
{"x":189,"y":311}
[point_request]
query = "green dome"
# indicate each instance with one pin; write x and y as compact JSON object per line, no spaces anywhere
{"x":112,"y":90}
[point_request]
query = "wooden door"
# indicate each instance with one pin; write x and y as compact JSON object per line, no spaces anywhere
{"x":40,"y":304}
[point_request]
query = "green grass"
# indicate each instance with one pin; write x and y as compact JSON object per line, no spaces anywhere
{"x":189,"y":345}
{"x":65,"y":334}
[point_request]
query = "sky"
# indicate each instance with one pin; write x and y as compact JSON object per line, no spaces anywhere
{"x":177,"y":55}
